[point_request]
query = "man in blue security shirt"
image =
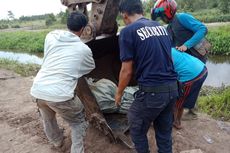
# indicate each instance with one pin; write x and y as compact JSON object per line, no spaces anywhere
{"x":146,"y":49}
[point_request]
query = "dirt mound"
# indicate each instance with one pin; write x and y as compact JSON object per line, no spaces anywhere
{"x":21,"y":129}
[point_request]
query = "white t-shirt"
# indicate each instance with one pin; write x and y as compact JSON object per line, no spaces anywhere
{"x":66,"y":59}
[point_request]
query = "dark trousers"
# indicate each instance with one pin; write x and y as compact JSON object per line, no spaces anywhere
{"x":148,"y":108}
{"x":191,"y":91}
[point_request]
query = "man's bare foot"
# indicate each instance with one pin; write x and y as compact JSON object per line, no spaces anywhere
{"x":177,"y":125}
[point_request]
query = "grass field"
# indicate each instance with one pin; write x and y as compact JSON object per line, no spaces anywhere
{"x":28,"y":41}
{"x":22,"y":69}
{"x":216,"y":103}
{"x":33,"y":40}
{"x":219,"y":38}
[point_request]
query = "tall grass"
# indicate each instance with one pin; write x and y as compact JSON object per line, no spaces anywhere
{"x":211,"y":15}
{"x":33,"y":41}
{"x":219,"y":38}
{"x":29,"y":41}
{"x":22,"y":69}
{"x":216,"y":104}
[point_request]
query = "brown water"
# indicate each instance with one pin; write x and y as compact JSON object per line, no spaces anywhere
{"x":218,"y":66}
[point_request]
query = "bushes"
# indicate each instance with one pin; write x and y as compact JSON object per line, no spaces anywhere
{"x":4,"y":26}
{"x":33,"y":41}
{"x":224,"y":6}
{"x":214,"y":18}
{"x":211,"y":15}
{"x":28,"y":41}
{"x":219,"y":38}
{"x":15,"y":26}
{"x":216,"y":104}
{"x":50,"y":20}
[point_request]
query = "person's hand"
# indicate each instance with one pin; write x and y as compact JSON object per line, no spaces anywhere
{"x":182,"y":48}
{"x":118,"y":99}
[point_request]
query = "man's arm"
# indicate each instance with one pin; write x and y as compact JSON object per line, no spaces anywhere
{"x":124,"y":78}
{"x":87,"y":63}
{"x":199,"y":29}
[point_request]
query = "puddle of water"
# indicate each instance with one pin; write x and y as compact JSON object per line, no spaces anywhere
{"x":218,"y":66}
{"x":21,"y":57}
{"x":218,"y":74}
{"x":218,"y":71}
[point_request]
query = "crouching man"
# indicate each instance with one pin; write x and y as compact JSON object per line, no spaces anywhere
{"x":192,"y":74}
{"x":66,"y":59}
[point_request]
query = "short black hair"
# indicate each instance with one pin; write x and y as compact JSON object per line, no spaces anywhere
{"x":76,"y":21}
{"x":131,"y":7}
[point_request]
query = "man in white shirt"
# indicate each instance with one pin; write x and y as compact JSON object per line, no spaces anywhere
{"x":66,"y":59}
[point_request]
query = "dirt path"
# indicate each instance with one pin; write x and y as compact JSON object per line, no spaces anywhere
{"x":217,"y":24}
{"x":21,"y":130}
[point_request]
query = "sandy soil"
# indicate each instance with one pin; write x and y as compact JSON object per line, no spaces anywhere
{"x":21,"y":129}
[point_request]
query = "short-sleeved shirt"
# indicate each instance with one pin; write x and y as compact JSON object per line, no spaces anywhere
{"x":147,"y":43}
{"x":187,"y":66}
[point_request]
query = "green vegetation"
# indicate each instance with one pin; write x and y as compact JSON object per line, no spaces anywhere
{"x":22,"y":69}
{"x":197,"y":5}
{"x":219,"y":38}
{"x":30,"y":25}
{"x":32,"y":41}
{"x":211,"y":15}
{"x":4,"y":26}
{"x":216,"y":103}
{"x":29,"y":41}
{"x":50,"y":20}
{"x":205,"y":10}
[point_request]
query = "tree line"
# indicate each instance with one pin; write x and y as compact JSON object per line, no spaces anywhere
{"x":221,"y":13}
{"x":49,"y":19}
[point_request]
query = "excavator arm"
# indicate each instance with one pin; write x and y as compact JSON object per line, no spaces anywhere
{"x":102,"y":16}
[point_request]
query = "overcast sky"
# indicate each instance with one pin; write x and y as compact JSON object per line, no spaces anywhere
{"x":29,"y":7}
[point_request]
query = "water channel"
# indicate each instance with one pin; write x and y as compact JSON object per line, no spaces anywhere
{"x":218,"y":66}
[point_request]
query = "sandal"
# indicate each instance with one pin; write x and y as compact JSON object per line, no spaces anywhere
{"x":190,"y":115}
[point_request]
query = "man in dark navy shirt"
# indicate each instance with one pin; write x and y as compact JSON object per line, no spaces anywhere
{"x":146,"y":49}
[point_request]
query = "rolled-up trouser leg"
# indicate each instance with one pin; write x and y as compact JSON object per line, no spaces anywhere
{"x":51,"y":128}
{"x":77,"y":135}
{"x":72,"y":112}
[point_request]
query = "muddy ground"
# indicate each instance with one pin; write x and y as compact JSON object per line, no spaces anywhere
{"x":21,"y":129}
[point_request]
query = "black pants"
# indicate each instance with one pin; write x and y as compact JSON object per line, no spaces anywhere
{"x":157,"y":108}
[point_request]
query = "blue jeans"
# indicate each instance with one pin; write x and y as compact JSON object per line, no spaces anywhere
{"x":148,"y":108}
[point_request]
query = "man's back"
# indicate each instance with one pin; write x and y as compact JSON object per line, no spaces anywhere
{"x":145,"y":46}
{"x":148,"y":45}
{"x":186,"y":66}
{"x":65,"y":60}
